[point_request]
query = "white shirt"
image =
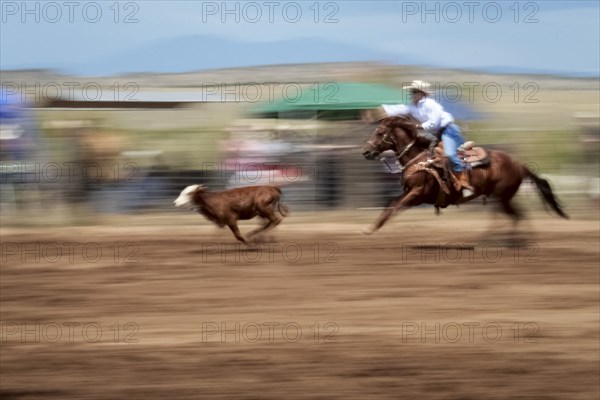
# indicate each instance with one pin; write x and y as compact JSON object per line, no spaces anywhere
{"x":428,"y":112}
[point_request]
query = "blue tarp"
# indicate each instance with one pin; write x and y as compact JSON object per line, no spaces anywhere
{"x":10,"y":106}
{"x":25,"y":139}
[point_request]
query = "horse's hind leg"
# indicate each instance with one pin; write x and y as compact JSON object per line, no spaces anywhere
{"x":509,"y":209}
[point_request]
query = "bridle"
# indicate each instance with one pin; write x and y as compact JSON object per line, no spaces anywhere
{"x":393,"y":142}
{"x":423,"y":166}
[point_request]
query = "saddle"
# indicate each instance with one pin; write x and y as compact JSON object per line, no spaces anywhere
{"x":472,"y":155}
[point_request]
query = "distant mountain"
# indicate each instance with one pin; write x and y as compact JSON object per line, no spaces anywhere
{"x":204,"y":52}
{"x":534,"y":71}
{"x":194,"y":53}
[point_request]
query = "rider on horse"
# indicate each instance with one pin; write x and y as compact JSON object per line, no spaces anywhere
{"x":435,"y":123}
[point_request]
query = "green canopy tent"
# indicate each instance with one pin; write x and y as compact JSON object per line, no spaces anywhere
{"x":332,"y":101}
{"x":344,"y":101}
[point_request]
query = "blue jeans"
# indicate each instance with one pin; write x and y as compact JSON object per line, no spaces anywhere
{"x":452,"y":139}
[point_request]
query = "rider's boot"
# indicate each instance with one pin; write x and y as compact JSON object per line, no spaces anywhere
{"x":462,"y":178}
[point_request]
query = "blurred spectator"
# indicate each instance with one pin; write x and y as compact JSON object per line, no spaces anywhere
{"x":256,"y":157}
{"x":20,"y":147}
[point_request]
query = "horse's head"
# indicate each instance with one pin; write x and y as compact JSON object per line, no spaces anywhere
{"x":392,"y":133}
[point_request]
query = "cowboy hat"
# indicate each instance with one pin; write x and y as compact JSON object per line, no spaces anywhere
{"x":418,"y":85}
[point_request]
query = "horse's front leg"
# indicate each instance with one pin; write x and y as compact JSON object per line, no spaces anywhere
{"x":412,"y":198}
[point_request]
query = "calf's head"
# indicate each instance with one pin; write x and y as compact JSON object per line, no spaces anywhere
{"x":186,"y":197}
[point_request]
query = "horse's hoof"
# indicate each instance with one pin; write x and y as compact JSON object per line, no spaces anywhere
{"x":252,"y":246}
{"x":367,"y":231}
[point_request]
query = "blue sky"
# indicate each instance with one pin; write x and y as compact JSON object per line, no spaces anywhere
{"x":560,"y":36}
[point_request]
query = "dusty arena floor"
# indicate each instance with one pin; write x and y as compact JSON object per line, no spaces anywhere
{"x":432,"y":310}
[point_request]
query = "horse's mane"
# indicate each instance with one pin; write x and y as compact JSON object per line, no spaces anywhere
{"x":406,"y":123}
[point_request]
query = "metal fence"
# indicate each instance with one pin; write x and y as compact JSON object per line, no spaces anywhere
{"x":123,"y":172}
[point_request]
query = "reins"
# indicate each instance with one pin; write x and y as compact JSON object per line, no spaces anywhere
{"x":403,"y":152}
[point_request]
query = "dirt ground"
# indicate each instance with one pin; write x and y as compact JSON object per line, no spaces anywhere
{"x":431,"y":310}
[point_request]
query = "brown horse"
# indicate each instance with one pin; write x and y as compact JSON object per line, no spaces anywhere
{"x":423,"y":183}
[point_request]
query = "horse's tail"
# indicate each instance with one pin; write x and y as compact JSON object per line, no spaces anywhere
{"x":281,"y":207}
{"x":546,"y":192}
